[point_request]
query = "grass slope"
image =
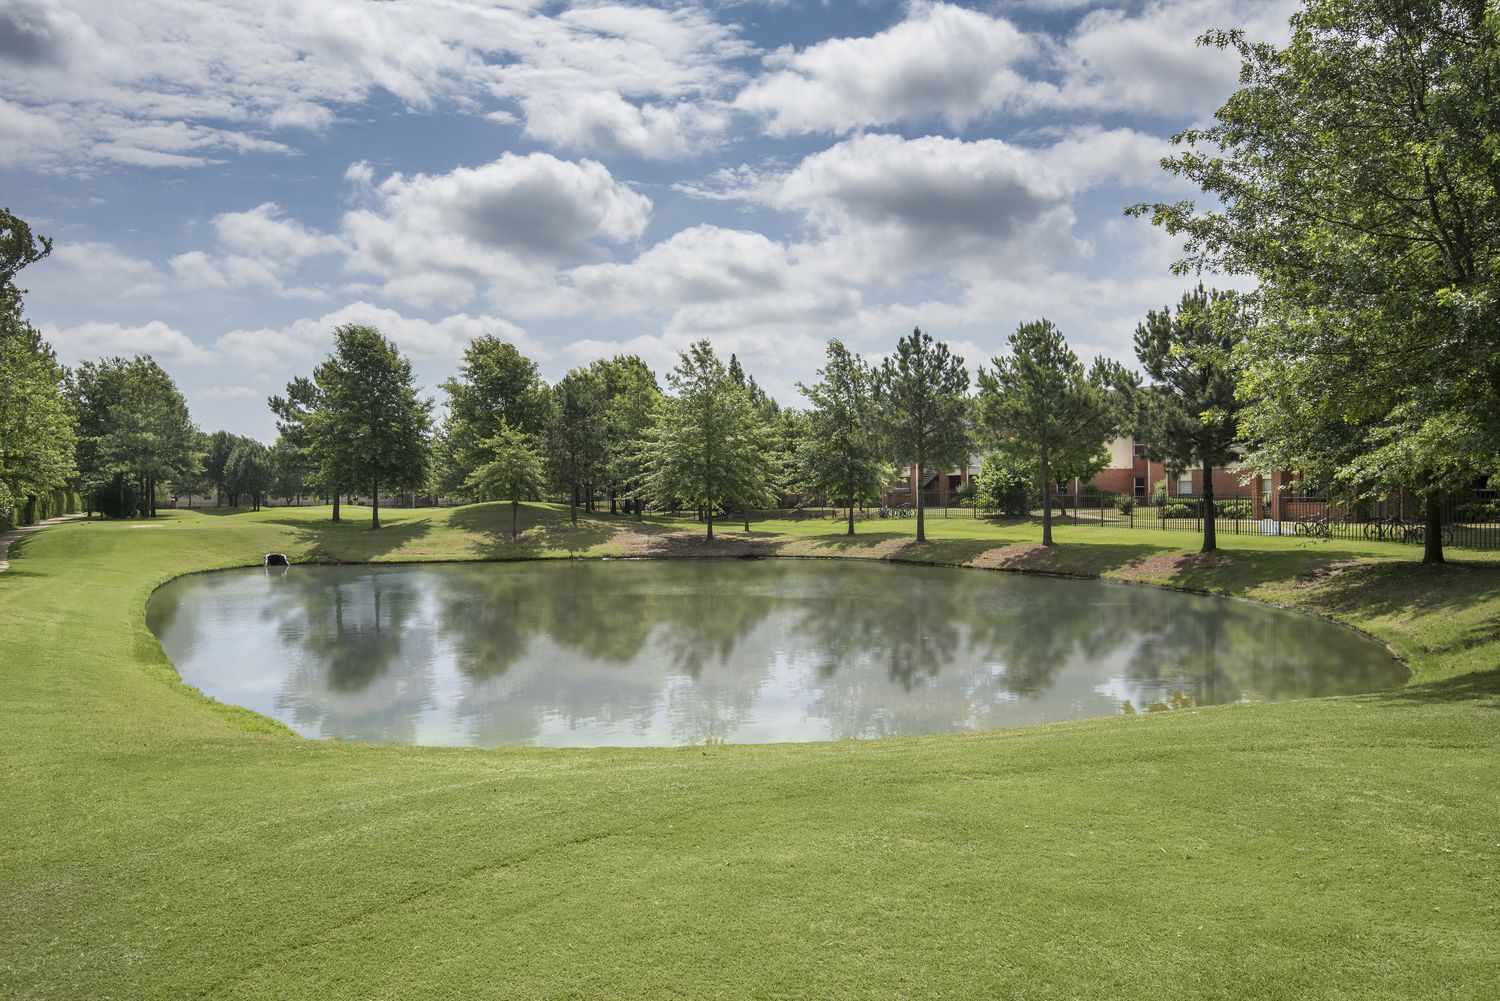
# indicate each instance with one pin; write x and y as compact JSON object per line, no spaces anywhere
{"x":157,"y":844}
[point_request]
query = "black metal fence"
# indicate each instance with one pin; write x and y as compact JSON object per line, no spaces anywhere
{"x":1470,"y":520}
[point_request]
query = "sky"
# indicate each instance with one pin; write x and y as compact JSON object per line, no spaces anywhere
{"x":226,"y":182}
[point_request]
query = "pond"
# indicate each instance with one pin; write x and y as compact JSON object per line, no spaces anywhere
{"x":681,"y":652}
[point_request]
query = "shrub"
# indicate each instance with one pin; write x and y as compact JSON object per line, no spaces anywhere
{"x":1479,"y":511}
{"x":1234,"y":508}
{"x":1003,"y":485}
{"x":1125,"y":505}
{"x":1178,"y":509}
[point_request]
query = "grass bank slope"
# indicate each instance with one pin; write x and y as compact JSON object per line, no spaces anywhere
{"x":157,"y":844}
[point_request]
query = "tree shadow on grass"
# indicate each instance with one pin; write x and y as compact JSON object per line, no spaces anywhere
{"x":543,"y":530}
{"x":1479,"y":686}
{"x":1392,"y":588}
{"x":350,"y":541}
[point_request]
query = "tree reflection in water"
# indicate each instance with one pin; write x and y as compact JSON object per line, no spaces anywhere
{"x":687,"y":651}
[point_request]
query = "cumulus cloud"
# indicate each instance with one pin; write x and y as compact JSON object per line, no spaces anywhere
{"x":307,"y":339}
{"x":506,"y":225}
{"x":95,"y":339}
{"x":941,"y":62}
{"x":160,"y":83}
{"x":1148,"y":62}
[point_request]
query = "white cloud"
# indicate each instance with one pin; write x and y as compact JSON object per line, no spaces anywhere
{"x":167,"y":83}
{"x":95,"y":339}
{"x":942,"y":62}
{"x":305,"y":340}
{"x":505,"y":225}
{"x":1148,"y":62}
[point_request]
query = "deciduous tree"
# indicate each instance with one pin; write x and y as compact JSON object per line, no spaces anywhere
{"x":512,"y":470}
{"x":371,"y":425}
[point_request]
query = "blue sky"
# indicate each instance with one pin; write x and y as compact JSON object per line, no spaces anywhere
{"x":228,"y":181}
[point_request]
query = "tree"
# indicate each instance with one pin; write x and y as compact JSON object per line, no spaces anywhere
{"x":215,"y":458}
{"x":134,"y":426}
{"x":37,"y":424}
{"x":707,"y":445}
{"x":1004,"y":483}
{"x":496,"y":385}
{"x":1040,"y":407}
{"x":575,"y":436}
{"x":294,"y":457}
{"x":840,"y":453}
{"x":1191,"y":415}
{"x":19,"y":248}
{"x":248,"y":470}
{"x":630,"y":397}
{"x":370,"y":426}
{"x":289,"y":471}
{"x":1354,"y":176}
{"x":920,"y":400}
{"x":512,"y":470}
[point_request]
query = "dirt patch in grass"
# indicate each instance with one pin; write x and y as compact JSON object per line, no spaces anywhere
{"x":1173,"y":564}
{"x":1319,"y":576}
{"x":690,"y":544}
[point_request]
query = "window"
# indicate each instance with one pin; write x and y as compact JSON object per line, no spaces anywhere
{"x":1140,"y":450}
{"x":1140,"y":486}
{"x":1184,"y":484}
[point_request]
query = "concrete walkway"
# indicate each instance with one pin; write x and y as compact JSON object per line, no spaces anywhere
{"x":6,"y":538}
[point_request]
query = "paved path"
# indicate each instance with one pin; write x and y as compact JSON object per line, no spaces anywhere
{"x":6,"y":538}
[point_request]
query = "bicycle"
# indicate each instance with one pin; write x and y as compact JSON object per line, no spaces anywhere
{"x":1416,"y":532}
{"x":1385,"y":529}
{"x":1316,"y":526}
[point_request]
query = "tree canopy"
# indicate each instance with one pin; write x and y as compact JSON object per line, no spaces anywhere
{"x":920,"y":398}
{"x":840,"y":455}
{"x":1354,"y":175}
{"x":1190,"y":414}
{"x":708,"y":445}
{"x":1040,"y":406}
{"x":512,"y":469}
{"x":370,"y":427}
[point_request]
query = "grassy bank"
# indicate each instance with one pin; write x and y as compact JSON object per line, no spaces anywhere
{"x":159,"y":844}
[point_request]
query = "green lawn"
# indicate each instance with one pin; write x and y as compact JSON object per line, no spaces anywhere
{"x":154,"y":843}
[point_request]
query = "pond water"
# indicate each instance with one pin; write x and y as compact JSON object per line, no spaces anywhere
{"x":681,"y":652}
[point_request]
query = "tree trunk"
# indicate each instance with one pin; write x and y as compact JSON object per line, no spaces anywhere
{"x":747,"y":520}
{"x":1432,"y":542}
{"x":708,"y":516}
{"x":515,"y":507}
{"x":614,"y":507}
{"x":639,"y":514}
{"x":573,"y":506}
{"x":921,"y":524}
{"x":1046,"y":505}
{"x":850,"y":530}
{"x":375,"y":506}
{"x":1210,"y":531}
{"x":335,"y":503}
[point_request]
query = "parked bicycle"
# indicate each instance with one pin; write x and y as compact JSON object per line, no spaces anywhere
{"x":1386,"y":530}
{"x":1314,"y":525}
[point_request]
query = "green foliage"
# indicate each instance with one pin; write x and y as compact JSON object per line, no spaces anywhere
{"x":920,"y":399}
{"x":1040,"y":407}
{"x":1005,"y":483}
{"x":1354,"y":177}
{"x":1125,"y":504}
{"x":577,"y":444}
{"x":37,"y":425}
{"x":1479,"y":512}
{"x":370,"y":427}
{"x":496,"y":385}
{"x":248,"y":471}
{"x":19,"y":248}
{"x":630,"y":397}
{"x":1189,"y":416}
{"x":133,"y":425}
{"x":512,"y":470}
{"x":839,"y":455}
{"x":295,"y":461}
{"x":708,"y":446}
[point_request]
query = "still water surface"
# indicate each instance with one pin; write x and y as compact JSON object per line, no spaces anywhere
{"x":660,"y":653}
